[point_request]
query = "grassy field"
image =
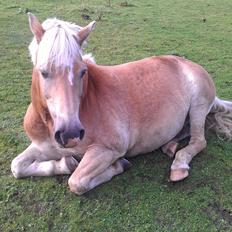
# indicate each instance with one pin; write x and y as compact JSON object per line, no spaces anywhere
{"x":142,"y":199}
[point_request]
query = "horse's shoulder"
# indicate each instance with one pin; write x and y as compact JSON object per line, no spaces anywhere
{"x":34,"y":126}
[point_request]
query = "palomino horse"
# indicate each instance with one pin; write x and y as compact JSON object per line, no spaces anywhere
{"x":99,"y":115}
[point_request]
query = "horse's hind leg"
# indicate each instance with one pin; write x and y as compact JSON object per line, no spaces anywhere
{"x":170,"y":148}
{"x":180,"y":165}
{"x":34,"y":162}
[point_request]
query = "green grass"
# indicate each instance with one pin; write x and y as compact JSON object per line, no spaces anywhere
{"x":142,"y":199}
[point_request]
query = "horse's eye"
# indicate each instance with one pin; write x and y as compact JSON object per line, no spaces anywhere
{"x":82,"y":72}
{"x":44,"y":74}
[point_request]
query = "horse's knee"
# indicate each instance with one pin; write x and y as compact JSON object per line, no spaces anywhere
{"x":203,"y":143}
{"x":16,"y":168}
{"x":20,"y":163}
{"x":78,"y":185}
{"x":199,"y":143}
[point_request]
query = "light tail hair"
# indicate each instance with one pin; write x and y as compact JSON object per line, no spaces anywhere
{"x":219,"y":119}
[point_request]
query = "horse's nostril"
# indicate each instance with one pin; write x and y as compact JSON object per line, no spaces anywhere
{"x":58,"y":137}
{"x":82,"y":133}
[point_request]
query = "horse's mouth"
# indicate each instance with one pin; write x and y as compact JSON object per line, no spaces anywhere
{"x":72,"y":143}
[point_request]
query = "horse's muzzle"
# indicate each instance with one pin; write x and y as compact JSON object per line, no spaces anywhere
{"x":62,"y":137}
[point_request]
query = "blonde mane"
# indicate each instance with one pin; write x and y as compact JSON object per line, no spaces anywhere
{"x":58,"y":46}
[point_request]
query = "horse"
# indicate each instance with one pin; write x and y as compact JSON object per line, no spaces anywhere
{"x":86,"y":120}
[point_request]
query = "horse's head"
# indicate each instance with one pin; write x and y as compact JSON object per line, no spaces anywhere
{"x":57,"y":57}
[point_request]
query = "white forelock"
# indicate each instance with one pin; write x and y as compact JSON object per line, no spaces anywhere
{"x":58,"y":46}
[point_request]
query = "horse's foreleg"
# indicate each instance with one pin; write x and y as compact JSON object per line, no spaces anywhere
{"x":32,"y":162}
{"x":97,"y":166}
{"x":180,"y":165}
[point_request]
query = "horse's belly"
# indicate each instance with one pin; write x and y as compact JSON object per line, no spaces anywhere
{"x":155,"y":134}
{"x":148,"y":144}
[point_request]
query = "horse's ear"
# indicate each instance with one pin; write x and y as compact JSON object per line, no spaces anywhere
{"x":83,"y":34}
{"x":36,"y":27}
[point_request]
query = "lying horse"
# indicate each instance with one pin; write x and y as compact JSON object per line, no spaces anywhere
{"x":85,"y":119}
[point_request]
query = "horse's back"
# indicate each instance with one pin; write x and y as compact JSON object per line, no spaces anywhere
{"x":158,"y":70}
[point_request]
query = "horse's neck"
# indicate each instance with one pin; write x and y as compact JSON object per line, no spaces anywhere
{"x":91,"y":85}
{"x":97,"y":88}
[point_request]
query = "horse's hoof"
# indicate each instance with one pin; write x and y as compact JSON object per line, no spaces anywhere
{"x":170,"y":148}
{"x":179,"y":174}
{"x":125,"y":164}
{"x":71,"y":163}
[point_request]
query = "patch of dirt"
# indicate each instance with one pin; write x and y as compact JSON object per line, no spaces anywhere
{"x":61,"y":179}
{"x":85,"y":16}
{"x":186,"y":186}
{"x":126,"y":4}
{"x":145,"y":177}
{"x":50,"y":224}
{"x":221,"y":217}
{"x":87,"y":11}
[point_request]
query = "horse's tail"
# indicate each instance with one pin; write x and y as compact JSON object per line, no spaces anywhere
{"x":219,"y":119}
